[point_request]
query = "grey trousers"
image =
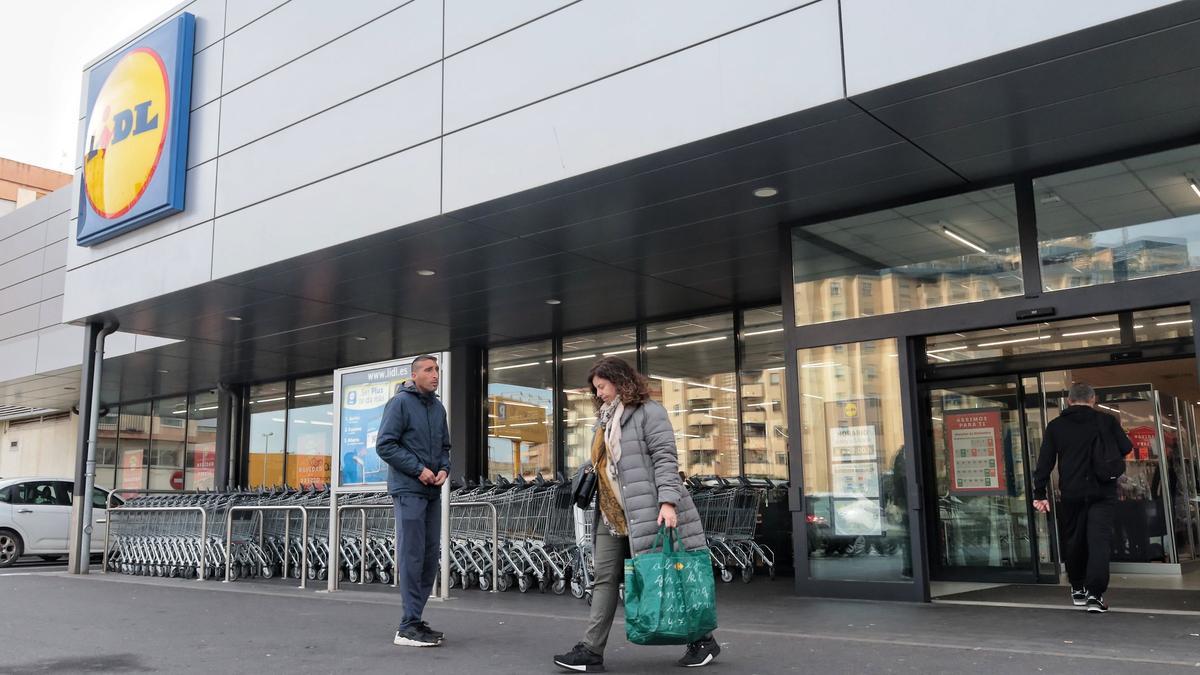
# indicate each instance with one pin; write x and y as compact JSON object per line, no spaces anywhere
{"x":609,"y":556}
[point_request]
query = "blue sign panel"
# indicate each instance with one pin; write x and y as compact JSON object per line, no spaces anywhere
{"x":135,"y":146}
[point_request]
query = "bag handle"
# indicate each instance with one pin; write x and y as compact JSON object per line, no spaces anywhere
{"x":668,"y":536}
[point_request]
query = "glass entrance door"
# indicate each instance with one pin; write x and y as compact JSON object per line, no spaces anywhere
{"x":981,"y":511}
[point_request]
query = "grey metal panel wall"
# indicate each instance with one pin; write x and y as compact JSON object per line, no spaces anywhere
{"x":469,"y":22}
{"x":890,"y":42}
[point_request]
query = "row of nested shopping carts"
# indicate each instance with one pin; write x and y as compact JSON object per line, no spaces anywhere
{"x":541,"y":540}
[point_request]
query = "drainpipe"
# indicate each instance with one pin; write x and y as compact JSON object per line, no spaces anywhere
{"x":85,"y":547}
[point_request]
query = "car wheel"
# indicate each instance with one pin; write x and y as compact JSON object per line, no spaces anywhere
{"x":11,"y":547}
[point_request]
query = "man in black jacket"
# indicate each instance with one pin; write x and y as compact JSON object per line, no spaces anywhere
{"x":1085,"y":511}
{"x":414,"y":441}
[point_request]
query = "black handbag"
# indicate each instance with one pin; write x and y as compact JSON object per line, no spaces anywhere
{"x":583,"y":487}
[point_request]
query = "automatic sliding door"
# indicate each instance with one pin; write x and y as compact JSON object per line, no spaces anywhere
{"x":982,"y":527}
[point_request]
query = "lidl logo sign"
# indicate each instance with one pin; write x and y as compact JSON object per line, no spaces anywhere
{"x":135,"y":144}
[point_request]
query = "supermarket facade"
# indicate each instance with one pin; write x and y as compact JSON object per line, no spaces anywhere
{"x":861,"y":248}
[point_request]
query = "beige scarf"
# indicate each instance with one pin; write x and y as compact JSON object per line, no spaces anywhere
{"x":606,"y":452}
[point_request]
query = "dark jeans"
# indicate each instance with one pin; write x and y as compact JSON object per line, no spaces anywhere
{"x":418,"y":532}
{"x":1086,"y":528}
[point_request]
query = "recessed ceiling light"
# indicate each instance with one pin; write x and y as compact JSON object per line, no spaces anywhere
{"x":234,"y":318}
{"x":553,"y":301}
{"x":164,"y":372}
{"x":426,"y":273}
{"x":360,"y":338}
{"x":764,"y":192}
{"x":1192,"y":182}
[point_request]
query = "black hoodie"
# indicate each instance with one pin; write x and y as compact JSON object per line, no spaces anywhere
{"x":1068,"y":442}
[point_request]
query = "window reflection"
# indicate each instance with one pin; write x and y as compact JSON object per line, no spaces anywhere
{"x":201,"y":460}
{"x":310,"y":432}
{"x":520,"y":401}
{"x":852,"y":438}
{"x":267,"y":435}
{"x":690,"y":364}
{"x":764,"y":396}
{"x":579,"y":353}
{"x":1124,"y":220}
{"x":168,"y":427}
{"x":106,"y":448}
{"x":133,"y":442}
{"x":942,"y":252}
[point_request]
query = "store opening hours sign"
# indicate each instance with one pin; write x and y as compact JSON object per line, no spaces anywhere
{"x":973,"y":439}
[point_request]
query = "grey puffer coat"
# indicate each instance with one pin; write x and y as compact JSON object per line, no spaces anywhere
{"x":648,"y":474}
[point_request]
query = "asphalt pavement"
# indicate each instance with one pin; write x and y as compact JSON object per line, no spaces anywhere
{"x":55,"y":622}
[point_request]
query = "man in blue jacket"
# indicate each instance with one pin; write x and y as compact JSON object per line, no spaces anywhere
{"x":414,"y":441}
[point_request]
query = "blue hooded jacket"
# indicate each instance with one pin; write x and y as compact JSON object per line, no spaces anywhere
{"x":413,"y":436}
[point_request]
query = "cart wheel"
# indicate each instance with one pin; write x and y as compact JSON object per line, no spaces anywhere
{"x":173,"y":572}
{"x":353,"y":575}
{"x":268,"y":571}
{"x":523,"y":583}
{"x":341,"y":574}
{"x":323,"y":574}
{"x":485,"y":582}
{"x":589,"y":599}
{"x":385,"y":577}
{"x":453,"y":579}
{"x":312,"y":574}
{"x":560,"y":586}
{"x":577,"y":589}
{"x":294,"y":571}
{"x":747,"y":574}
{"x":234,"y":572}
{"x":371,"y":577}
{"x":470,"y":580}
{"x":727,"y":575}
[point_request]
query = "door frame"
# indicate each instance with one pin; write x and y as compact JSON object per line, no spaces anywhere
{"x":937,"y":572}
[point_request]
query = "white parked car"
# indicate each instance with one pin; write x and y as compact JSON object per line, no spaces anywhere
{"x":35,"y":518}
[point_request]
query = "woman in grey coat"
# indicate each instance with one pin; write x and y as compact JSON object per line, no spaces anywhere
{"x":638,"y":489}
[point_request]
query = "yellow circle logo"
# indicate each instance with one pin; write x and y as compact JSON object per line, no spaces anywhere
{"x":127,"y":127}
{"x":679,"y":566}
{"x":851,"y":410}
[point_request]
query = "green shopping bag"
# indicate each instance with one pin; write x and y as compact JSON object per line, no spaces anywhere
{"x":670,"y":597}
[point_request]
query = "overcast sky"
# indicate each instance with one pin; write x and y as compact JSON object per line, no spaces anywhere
{"x":44,"y":45}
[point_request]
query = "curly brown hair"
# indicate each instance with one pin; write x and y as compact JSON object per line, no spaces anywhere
{"x":632,"y":387}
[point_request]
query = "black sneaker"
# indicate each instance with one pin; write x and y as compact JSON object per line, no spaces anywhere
{"x":700,"y":653}
{"x":413,"y":636}
{"x":435,"y":634}
{"x":581,"y":660}
{"x":1079,"y":597}
{"x":1095,"y":603}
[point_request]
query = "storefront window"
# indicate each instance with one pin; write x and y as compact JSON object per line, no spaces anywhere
{"x":764,"y":398}
{"x":268,"y":434}
{"x":310,"y":432}
{"x":168,"y":427}
{"x":200,"y":463}
{"x":106,"y":448}
{"x":690,"y":364}
{"x":942,"y":252}
{"x":519,"y":410}
{"x":1131,"y":219}
{"x":1168,"y":323}
{"x":852,"y":438}
{"x":579,"y":353}
{"x":133,"y":444}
